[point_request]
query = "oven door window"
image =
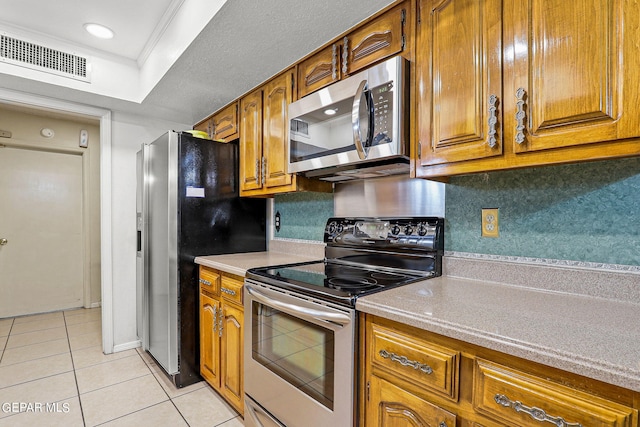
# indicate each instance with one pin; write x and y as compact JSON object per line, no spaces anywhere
{"x":299,"y":352}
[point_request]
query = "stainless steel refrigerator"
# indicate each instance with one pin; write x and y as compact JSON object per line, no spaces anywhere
{"x":188,"y":206}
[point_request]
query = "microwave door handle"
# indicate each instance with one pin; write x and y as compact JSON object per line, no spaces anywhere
{"x":306,"y":313}
{"x":355,"y":120}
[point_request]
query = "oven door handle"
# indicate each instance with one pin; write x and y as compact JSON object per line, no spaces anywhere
{"x":297,"y":310}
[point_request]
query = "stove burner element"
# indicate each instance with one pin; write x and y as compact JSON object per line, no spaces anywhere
{"x":353,"y":283}
{"x":387,"y":276}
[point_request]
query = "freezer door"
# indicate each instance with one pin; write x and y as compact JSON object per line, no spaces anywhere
{"x":141,"y":251}
{"x":162,"y":279}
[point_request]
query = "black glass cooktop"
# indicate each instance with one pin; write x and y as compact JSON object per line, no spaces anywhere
{"x":338,"y":282}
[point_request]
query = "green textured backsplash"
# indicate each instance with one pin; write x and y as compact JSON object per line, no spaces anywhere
{"x":303,"y":215}
{"x":582,"y":212}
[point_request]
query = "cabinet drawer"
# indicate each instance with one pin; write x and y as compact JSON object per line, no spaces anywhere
{"x":520,"y":399}
{"x":209,"y":280}
{"x":416,"y":361}
{"x":231,"y":288}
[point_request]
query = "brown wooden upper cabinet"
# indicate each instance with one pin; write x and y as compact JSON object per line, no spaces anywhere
{"x":223,"y":125}
{"x":264,"y":131}
{"x":376,"y":40}
{"x":561,"y":86}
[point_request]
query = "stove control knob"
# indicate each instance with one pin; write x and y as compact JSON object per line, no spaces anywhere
{"x":422,"y":230}
{"x":332,"y":228}
{"x":408,"y":230}
{"x":395,"y":230}
{"x":340,"y":228}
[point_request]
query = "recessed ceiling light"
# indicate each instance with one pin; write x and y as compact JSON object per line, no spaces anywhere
{"x":330,"y":111}
{"x":99,"y":31}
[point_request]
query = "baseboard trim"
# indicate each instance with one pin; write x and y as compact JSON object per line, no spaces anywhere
{"x":126,"y":346}
{"x":95,"y":305}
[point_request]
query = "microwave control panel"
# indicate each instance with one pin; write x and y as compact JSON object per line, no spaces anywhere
{"x":382,"y":97}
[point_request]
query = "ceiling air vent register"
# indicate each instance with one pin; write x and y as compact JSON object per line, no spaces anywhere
{"x":42,"y":58}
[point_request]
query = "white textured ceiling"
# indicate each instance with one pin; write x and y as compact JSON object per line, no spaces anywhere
{"x":245,"y":43}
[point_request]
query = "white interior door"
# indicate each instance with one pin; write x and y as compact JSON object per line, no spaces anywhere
{"x":41,"y":263}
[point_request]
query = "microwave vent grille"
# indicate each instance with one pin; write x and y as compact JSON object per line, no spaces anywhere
{"x":300,"y":127}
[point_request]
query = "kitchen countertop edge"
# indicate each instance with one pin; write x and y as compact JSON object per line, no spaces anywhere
{"x":399,"y":305}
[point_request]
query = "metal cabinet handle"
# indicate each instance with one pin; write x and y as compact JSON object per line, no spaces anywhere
{"x":264,"y":170}
{"x":520,"y":115}
{"x":334,"y":62}
{"x":535,"y":413}
{"x":345,"y":55}
{"x":228,"y":291}
{"x":205,"y":282}
{"x":220,"y":323}
{"x":3,"y":241}
{"x":215,"y":319}
{"x":404,"y":361}
{"x":492,"y":141}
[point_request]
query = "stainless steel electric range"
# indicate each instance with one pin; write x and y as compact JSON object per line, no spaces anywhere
{"x":300,"y":319}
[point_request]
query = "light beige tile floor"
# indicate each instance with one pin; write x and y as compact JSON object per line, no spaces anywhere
{"x":53,"y":373}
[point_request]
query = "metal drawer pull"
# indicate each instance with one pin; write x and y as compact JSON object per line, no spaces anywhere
{"x":228,"y":291}
{"x":493,"y":121}
{"x":220,"y":323}
{"x":205,"y":282}
{"x":406,"y":362}
{"x":535,"y":413}
{"x":520,"y":115}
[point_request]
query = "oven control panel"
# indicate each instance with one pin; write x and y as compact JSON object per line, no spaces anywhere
{"x":424,"y":233}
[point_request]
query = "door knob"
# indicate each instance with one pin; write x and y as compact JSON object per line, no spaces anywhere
{"x":3,"y":241}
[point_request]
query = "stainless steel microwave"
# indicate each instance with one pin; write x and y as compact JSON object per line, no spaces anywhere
{"x":355,"y":128}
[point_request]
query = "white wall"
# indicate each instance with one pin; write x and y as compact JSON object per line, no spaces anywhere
{"x":128,"y":133}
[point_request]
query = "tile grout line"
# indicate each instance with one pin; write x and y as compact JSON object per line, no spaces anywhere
{"x":75,"y":376}
{"x":163,"y":389}
{"x":7,"y":341}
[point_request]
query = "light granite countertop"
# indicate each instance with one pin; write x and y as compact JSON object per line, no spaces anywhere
{"x":280,"y":252}
{"x":590,"y":335}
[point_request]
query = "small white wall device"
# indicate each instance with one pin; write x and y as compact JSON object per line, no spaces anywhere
{"x":84,"y":138}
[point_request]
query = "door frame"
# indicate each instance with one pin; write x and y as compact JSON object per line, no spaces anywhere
{"x":104,"y":116}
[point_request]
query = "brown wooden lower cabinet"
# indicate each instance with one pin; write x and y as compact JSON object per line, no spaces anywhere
{"x":412,"y":377}
{"x":221,"y":334}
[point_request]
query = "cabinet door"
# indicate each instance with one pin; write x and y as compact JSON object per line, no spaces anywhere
{"x":575,"y":73}
{"x":232,"y":355}
{"x":381,"y":38}
{"x":205,"y":126}
{"x":225,"y":123}
{"x":319,"y":70}
{"x":459,"y":72}
{"x":251,"y":141}
{"x":391,"y":406}
{"x":209,"y":340}
{"x":277,"y":97}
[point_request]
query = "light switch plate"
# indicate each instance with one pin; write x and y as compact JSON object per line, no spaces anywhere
{"x":490,"y":223}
